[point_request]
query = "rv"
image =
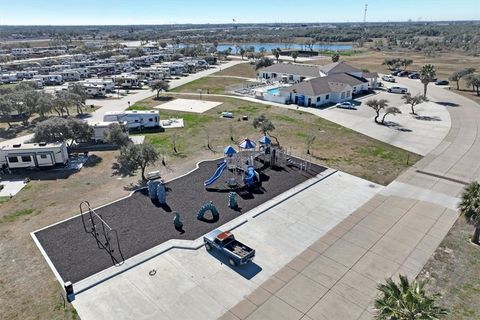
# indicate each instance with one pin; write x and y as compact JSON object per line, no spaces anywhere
{"x":8,"y":78}
{"x":94,"y":90}
{"x":134,"y":119}
{"x":70,"y":75}
{"x":108,"y":84}
{"x":126,"y":81}
{"x":100,"y":128}
{"x":33,"y":155}
{"x":21,"y":75}
{"x":53,"y":80}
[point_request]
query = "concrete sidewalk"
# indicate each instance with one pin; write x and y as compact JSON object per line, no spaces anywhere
{"x":396,"y":232}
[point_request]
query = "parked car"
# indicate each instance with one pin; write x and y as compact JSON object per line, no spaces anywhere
{"x":414,"y":75}
{"x":396,"y":72}
{"x":346,"y":105}
{"x":441,"y":82}
{"x":397,"y":90}
{"x":403,"y":73}
{"x":225,"y":242}
{"x":388,"y":78}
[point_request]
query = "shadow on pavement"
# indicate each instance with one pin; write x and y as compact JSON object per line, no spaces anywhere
{"x":248,"y":271}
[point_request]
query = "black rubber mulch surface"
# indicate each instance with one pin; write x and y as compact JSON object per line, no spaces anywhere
{"x":142,"y":224}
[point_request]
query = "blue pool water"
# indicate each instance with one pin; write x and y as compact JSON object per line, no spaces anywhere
{"x":274,"y":91}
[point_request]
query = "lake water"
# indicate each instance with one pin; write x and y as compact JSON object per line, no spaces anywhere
{"x":295,"y":46}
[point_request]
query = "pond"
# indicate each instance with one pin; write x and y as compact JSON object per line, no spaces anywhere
{"x":283,"y":46}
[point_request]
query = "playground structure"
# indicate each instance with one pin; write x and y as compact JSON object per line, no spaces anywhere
{"x":105,"y":236}
{"x":209,"y":206}
{"x":243,"y":162}
{"x":232,"y":200}
{"x":177,"y":222}
{"x":156,"y":191}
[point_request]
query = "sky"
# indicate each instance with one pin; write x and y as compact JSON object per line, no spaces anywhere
{"x":105,"y":12}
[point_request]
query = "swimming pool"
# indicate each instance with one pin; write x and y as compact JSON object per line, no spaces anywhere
{"x":274,"y":91}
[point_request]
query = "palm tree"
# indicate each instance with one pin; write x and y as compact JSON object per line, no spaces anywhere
{"x":407,"y":301}
{"x":469,"y":206}
{"x":427,"y":74}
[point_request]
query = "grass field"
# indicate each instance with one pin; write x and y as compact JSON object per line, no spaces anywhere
{"x":245,"y":70}
{"x":334,"y":145}
{"x":454,"y":272}
{"x":213,"y":85}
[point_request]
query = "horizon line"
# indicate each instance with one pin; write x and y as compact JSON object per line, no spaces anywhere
{"x":230,"y":23}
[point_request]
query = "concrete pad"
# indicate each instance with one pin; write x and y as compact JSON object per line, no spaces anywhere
{"x":273,"y":284}
{"x":259,"y":296}
{"x":325,"y":271}
{"x":286,"y":274}
{"x":11,"y":188}
{"x":275,"y":309}
{"x":356,"y":288}
{"x":375,"y":267}
{"x":362,"y":237}
{"x":188,"y":105}
{"x":243,"y":309}
{"x":301,"y":293}
{"x":334,"y":306}
{"x":228,"y":316}
{"x":392,"y":249}
{"x":344,"y":252}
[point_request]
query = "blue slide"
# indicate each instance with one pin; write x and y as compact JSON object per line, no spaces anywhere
{"x":217,"y":174}
{"x":250,"y":176}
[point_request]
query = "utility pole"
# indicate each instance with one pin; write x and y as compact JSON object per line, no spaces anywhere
{"x":365,"y":17}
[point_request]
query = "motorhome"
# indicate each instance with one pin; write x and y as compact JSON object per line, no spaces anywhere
{"x":101,"y":128}
{"x":126,"y":81}
{"x":54,"y":80}
{"x":135,"y":119}
{"x":94,"y":90}
{"x":108,"y":84}
{"x":8,"y":78}
{"x":31,"y":155}
{"x":70,"y":75}
{"x":26,"y":74}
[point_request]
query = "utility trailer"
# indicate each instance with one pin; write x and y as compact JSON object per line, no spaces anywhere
{"x":225,"y":242}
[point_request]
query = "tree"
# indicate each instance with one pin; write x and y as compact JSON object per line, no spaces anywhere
{"x":159,"y":85}
{"x":469,"y":207}
{"x":45,"y":104}
{"x":174,"y":141}
{"x":117,"y":134}
{"x":242,"y":52}
{"x":473,"y":80}
{"x":413,"y":100}
{"x":133,"y":157}
{"x":407,"y":301}
{"x":295,"y":55}
{"x":427,"y":75}
{"x":405,"y":63}
{"x":377,"y":105}
{"x":335,"y":57}
{"x":263,"y":63}
{"x":6,"y":108}
{"x":393,"y":63}
{"x":276,"y":54}
{"x":390,"y":110}
{"x":309,"y":139}
{"x":163,"y":44}
{"x":265,"y":126}
{"x":58,"y":129}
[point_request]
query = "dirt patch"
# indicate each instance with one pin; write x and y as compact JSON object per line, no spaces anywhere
{"x":454,"y":272}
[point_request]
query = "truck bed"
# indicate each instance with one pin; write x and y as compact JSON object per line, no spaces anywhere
{"x":239,"y":249}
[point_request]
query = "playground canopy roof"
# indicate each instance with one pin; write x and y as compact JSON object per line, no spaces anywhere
{"x":229,"y":150}
{"x":247,"y":144}
{"x":265,"y":140}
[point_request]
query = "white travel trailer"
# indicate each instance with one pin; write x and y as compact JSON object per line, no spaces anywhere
{"x":70,"y":75}
{"x":100,"y":128}
{"x":94,"y":90}
{"x":134,"y":119}
{"x":28,"y":155}
{"x":126,"y":81}
{"x":108,"y":84}
{"x":8,"y":78}
{"x":26,"y":74}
